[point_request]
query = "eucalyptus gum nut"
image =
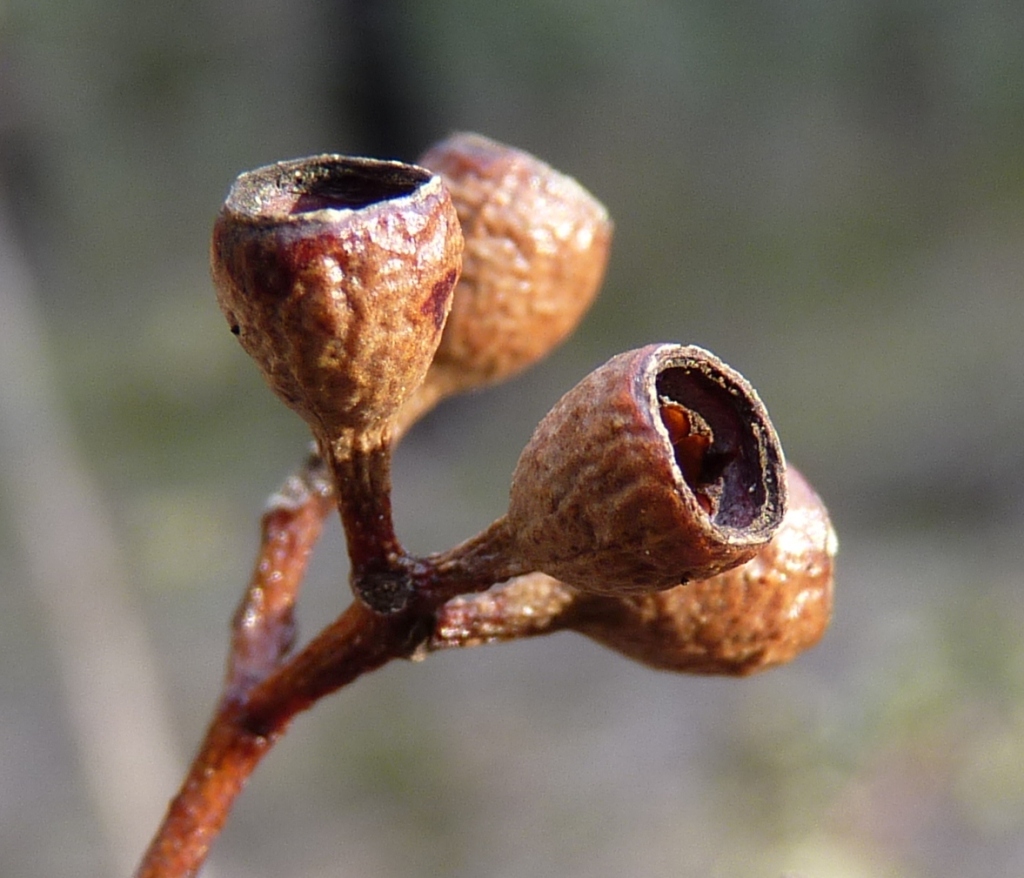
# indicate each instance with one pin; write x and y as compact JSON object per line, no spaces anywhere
{"x":606,"y":496}
{"x":336,"y":274}
{"x":536,"y":250}
{"x":753,"y":617}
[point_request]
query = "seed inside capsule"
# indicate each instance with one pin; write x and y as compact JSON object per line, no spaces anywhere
{"x":691,"y":438}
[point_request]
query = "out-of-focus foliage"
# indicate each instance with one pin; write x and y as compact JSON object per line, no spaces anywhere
{"x":829,"y":196}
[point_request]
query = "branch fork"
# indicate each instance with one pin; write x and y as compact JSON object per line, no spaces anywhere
{"x":652,"y":510}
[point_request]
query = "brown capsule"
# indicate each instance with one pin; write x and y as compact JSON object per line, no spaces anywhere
{"x":536,"y":249}
{"x":336,"y":274}
{"x":758,"y":615}
{"x":753,"y":617}
{"x":660,"y":467}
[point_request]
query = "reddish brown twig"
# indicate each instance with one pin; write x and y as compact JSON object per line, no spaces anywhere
{"x":265,"y":688}
{"x":262,"y":635}
{"x":263,"y":628}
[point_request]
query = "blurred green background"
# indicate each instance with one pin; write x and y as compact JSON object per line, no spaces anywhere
{"x":828,"y":195}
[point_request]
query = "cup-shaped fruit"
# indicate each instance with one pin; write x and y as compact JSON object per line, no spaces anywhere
{"x":658,"y":468}
{"x":536,"y":249}
{"x":336,"y":274}
{"x":755,"y":616}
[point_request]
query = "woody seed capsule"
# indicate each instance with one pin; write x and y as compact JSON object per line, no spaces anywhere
{"x":536,"y":249}
{"x":755,"y":616}
{"x":658,"y":468}
{"x":336,"y":275}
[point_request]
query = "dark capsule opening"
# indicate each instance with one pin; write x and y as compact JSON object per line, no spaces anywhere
{"x":717,"y":443}
{"x":323,"y":183}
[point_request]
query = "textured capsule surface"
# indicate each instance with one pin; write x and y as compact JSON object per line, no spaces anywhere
{"x":604,"y":499}
{"x":336,"y":274}
{"x":758,"y":615}
{"x":536,"y":250}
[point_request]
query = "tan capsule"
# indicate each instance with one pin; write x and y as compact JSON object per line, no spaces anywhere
{"x":336,"y":274}
{"x":611,"y":497}
{"x":536,"y":250}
